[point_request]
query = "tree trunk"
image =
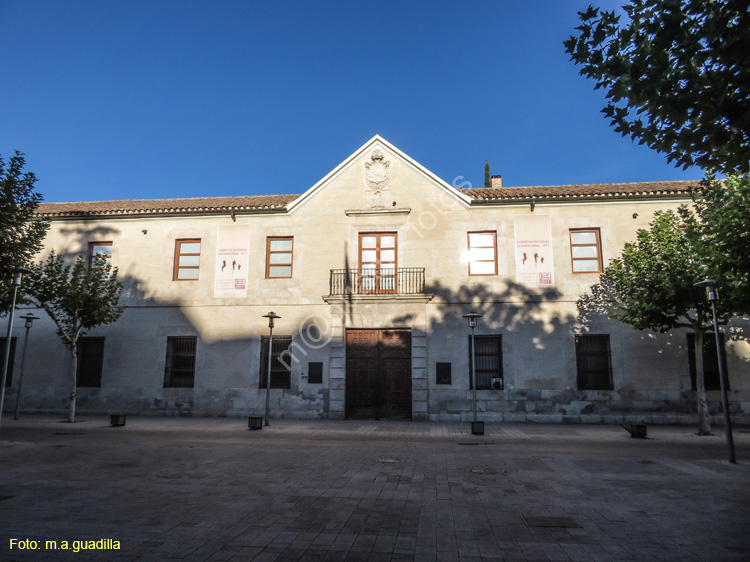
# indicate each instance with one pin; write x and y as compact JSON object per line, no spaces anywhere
{"x":72,"y":397}
{"x":704,"y":419}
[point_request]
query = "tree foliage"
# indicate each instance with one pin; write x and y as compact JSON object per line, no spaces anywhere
{"x":77,"y":298}
{"x":650,"y":286}
{"x":723,"y":220}
{"x":487,"y":177}
{"x":677,"y":76}
{"x":21,"y":234}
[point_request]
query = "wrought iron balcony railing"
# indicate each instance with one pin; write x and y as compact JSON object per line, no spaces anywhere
{"x":372,"y":281}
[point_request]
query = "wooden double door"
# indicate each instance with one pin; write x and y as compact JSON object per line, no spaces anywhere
{"x":378,"y":374}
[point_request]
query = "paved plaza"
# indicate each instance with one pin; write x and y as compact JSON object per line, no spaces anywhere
{"x":210,"y":489}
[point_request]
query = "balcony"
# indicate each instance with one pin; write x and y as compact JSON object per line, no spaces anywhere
{"x":377,"y":282}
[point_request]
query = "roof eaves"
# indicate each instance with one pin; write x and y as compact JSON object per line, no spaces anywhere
{"x":580,"y":198}
{"x":191,"y":211}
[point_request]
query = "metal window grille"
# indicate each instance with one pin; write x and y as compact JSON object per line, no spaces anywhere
{"x":281,"y":376}
{"x":593,"y":362}
{"x":12,"y":354}
{"x":90,"y":353}
{"x":710,"y":361}
{"x":179,"y":368}
{"x":489,"y":358}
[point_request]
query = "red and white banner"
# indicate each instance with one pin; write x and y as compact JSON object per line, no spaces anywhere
{"x":534,"y":251}
{"x":232,"y":259}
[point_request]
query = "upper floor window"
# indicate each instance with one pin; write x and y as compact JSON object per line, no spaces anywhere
{"x":100,"y":250}
{"x":482,"y":253}
{"x":187,"y":257}
{"x":586,"y":250}
{"x":378,"y":262}
{"x":279,"y":258}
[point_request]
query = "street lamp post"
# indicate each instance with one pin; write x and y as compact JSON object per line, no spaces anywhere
{"x":712,"y":296}
{"x":17,"y":278}
{"x":29,"y":318}
{"x":472,"y":317}
{"x":271,"y":317}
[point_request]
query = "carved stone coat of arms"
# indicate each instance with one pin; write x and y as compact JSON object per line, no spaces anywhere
{"x":377,"y":172}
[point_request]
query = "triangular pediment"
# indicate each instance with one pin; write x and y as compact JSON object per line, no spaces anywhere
{"x":374,"y":172}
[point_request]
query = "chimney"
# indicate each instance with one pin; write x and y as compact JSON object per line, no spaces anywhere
{"x":497,"y":182}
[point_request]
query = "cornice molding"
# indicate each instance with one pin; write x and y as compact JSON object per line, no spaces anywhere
{"x":394,"y":211}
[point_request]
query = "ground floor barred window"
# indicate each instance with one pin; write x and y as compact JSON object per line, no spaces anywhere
{"x":281,"y":362}
{"x":710,"y":361}
{"x":11,"y":355}
{"x":179,"y":370}
{"x":90,"y":352}
{"x":489,"y":358}
{"x":593,"y":362}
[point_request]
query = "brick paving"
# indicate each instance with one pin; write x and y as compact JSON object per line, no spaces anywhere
{"x":209,"y":489}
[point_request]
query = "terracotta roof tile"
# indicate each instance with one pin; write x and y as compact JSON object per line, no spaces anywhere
{"x":261,"y":203}
{"x":603,"y":190}
{"x":191,"y":205}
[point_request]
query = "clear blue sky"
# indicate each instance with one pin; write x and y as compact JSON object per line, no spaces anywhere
{"x":115,"y":99}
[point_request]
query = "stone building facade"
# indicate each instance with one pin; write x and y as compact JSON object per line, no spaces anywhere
{"x":371,"y":271}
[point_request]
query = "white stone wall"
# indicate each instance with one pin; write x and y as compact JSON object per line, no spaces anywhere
{"x":650,"y":372}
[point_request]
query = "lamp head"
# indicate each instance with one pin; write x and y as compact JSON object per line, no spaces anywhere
{"x":472,"y":316}
{"x":271,"y":317}
{"x":18,"y":274}
{"x":712,"y":291}
{"x":29,"y":318}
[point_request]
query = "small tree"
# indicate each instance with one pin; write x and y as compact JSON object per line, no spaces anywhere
{"x":77,"y":298}
{"x":487,"y":177}
{"x":677,"y":77}
{"x":21,"y":234}
{"x":651,"y":287}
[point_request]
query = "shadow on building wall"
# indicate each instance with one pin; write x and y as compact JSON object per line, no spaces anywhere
{"x":135,"y":355}
{"x":650,"y":372}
